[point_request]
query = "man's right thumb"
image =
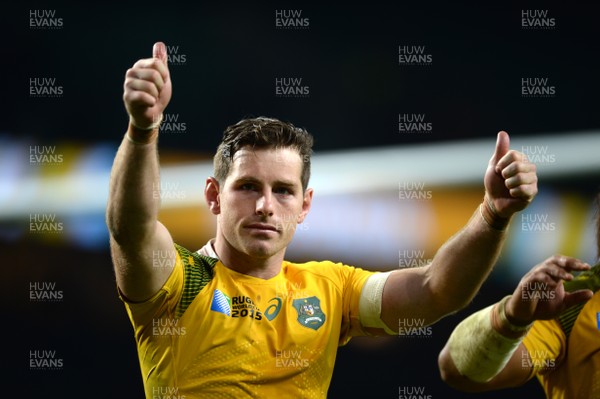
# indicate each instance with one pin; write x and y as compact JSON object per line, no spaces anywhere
{"x":159,"y":50}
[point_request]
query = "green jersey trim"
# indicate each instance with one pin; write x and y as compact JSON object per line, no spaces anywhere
{"x":198,"y":272}
{"x":587,"y":280}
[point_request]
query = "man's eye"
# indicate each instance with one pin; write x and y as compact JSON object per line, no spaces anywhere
{"x":283,"y":190}
{"x":247,"y":186}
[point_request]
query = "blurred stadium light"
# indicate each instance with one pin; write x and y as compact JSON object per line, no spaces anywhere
{"x":362,"y":212}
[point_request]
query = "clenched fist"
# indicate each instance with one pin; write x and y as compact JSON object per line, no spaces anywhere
{"x":147,"y":89}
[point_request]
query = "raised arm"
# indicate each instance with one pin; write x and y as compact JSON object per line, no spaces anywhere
{"x":141,"y":247}
{"x":485,"y":351}
{"x":461,"y":265}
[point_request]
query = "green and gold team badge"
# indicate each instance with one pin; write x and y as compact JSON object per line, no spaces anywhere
{"x":309,"y":312}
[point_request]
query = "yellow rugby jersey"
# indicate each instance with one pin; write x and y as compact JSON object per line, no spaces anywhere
{"x":565,"y":352}
{"x":211,"y":332}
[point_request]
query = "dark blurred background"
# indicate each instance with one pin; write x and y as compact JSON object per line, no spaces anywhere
{"x":64,"y":66}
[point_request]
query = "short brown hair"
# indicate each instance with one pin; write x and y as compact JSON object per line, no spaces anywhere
{"x":263,"y":133}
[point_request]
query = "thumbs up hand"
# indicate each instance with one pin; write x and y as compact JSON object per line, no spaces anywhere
{"x":510,"y":180}
{"x":147,"y":89}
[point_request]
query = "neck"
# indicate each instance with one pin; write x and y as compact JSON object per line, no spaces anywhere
{"x":240,"y":262}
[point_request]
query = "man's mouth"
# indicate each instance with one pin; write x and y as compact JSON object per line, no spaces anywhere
{"x":261,"y":227}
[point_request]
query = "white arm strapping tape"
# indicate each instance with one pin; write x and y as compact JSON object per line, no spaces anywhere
{"x":369,"y":304}
{"x":479,"y":352}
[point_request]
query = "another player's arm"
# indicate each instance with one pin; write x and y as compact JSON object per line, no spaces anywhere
{"x":141,"y":247}
{"x":517,"y":371}
{"x":461,"y":265}
{"x":485,"y":351}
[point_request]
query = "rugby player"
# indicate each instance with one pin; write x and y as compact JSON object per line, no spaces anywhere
{"x":222,"y":321}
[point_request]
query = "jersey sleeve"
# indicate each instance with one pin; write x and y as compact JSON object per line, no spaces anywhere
{"x":164,"y":302}
{"x":546,"y":343}
{"x":353,"y":281}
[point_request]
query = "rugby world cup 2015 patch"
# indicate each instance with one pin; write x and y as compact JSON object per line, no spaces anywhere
{"x":221,"y":303}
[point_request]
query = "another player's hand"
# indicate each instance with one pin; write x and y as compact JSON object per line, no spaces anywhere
{"x":510,"y":179}
{"x":147,"y":88}
{"x":540,"y":294}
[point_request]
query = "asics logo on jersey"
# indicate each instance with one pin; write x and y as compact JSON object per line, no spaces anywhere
{"x":273,"y":309}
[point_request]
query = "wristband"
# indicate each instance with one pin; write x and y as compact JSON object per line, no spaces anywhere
{"x":504,"y":325}
{"x":151,"y":127}
{"x":491,"y":217}
{"x":150,"y":139}
{"x":149,"y":135}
